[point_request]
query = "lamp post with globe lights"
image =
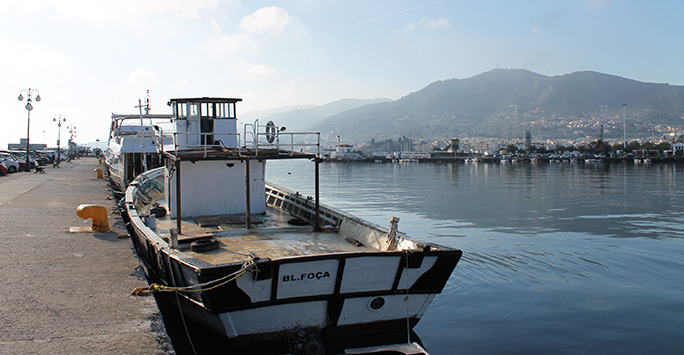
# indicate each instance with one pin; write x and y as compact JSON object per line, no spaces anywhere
{"x":59,"y":119}
{"x":28,"y":107}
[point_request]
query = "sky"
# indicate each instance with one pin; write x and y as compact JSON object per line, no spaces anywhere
{"x":89,"y":59}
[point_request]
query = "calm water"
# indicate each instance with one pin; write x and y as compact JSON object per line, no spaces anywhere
{"x":558,"y":258}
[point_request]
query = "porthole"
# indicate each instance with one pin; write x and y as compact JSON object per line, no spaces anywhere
{"x":376,"y":303}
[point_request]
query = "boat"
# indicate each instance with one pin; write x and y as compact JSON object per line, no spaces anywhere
{"x":131,"y":149}
{"x":249,"y":262}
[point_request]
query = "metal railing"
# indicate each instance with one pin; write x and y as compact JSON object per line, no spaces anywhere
{"x":254,"y":137}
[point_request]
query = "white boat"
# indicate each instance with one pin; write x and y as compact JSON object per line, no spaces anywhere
{"x":247,"y":261}
{"x":131,"y":147}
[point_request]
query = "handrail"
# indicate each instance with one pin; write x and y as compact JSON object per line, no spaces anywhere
{"x":254,"y":137}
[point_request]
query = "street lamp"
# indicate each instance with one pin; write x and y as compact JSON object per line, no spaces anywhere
{"x":59,"y":119}
{"x":29,"y":107}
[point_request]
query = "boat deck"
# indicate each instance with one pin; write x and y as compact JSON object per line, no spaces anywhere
{"x":270,"y":236}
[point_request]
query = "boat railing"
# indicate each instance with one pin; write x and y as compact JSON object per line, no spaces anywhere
{"x":206,"y":142}
{"x":269,"y":136}
{"x":293,"y":142}
{"x":254,"y":138}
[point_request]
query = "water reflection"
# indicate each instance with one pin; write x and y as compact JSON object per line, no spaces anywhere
{"x":556,"y":256}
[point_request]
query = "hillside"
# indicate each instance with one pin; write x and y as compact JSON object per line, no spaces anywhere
{"x":304,"y":117}
{"x":508,"y":102}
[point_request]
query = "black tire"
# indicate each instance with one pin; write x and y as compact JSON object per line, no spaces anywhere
{"x":203,"y":245}
{"x":11,"y":169}
{"x":158,"y":211}
{"x":297,"y":222}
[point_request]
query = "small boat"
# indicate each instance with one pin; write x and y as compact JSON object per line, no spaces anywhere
{"x":249,"y":262}
{"x":131,"y":147}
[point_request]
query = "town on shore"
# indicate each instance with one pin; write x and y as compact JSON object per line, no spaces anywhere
{"x":404,"y":149}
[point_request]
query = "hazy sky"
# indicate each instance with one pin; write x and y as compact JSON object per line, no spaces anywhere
{"x":89,"y":58}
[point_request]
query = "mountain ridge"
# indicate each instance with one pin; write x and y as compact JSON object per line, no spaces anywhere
{"x":503,"y":103}
{"x":501,"y":100}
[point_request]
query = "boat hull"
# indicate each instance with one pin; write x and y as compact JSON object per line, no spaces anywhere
{"x":334,"y":295}
{"x":331,"y":294}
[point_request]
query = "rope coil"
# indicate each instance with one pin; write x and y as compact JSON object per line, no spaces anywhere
{"x":249,"y":265}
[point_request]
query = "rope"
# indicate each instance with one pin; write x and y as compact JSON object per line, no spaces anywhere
{"x":203,"y":287}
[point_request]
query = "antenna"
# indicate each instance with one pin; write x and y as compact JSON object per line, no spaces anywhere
{"x":147,"y":102}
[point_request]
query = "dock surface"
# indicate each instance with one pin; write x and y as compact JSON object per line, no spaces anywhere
{"x":69,"y":293}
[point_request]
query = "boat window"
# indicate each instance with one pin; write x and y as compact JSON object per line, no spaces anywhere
{"x":225,"y":110}
{"x":194,"y":110}
{"x":207,"y":109}
{"x":181,"y":110}
{"x":222,"y":112}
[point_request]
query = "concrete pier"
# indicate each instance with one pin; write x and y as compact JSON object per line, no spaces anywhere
{"x":69,"y":293}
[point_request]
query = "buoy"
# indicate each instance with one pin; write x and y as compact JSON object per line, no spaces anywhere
{"x":97,"y":213}
{"x":99,"y":173}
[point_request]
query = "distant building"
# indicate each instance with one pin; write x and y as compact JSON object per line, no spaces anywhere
{"x":678,"y":149}
{"x":22,"y":145}
{"x":454,"y":145}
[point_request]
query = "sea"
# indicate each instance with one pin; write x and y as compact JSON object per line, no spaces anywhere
{"x":558,"y":258}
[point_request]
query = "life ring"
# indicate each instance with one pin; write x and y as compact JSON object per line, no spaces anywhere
{"x":203,"y":245}
{"x":270,"y":131}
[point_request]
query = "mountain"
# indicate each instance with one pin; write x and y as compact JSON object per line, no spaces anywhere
{"x":303,"y":117}
{"x":507,"y":102}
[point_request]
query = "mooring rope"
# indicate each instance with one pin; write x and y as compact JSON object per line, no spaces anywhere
{"x":203,"y":287}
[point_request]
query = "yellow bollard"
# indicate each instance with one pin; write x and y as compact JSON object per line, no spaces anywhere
{"x":99,"y":173}
{"x":97,"y":213}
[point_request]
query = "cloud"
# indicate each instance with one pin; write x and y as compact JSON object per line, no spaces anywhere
{"x":21,"y":57}
{"x":267,"y":19}
{"x":255,"y":69}
{"x":231,"y":43}
{"x":535,"y":29}
{"x":140,"y":76}
{"x":128,"y":11}
{"x":384,"y":17}
{"x":429,"y":24}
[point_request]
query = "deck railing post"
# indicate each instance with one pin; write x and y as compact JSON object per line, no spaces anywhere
{"x":178,"y":196}
{"x":247,"y":197}
{"x":317,"y":226}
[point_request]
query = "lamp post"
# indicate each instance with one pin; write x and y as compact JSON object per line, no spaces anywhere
{"x":59,"y":119}
{"x":29,"y":107}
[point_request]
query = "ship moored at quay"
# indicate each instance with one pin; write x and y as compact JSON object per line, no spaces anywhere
{"x":251,"y":263}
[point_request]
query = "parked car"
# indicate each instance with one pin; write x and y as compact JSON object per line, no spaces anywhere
{"x":42,"y":158}
{"x":11,"y":164}
{"x":3,"y":170}
{"x":21,"y":158}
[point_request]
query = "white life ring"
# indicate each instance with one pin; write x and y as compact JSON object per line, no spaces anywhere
{"x":270,"y":131}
